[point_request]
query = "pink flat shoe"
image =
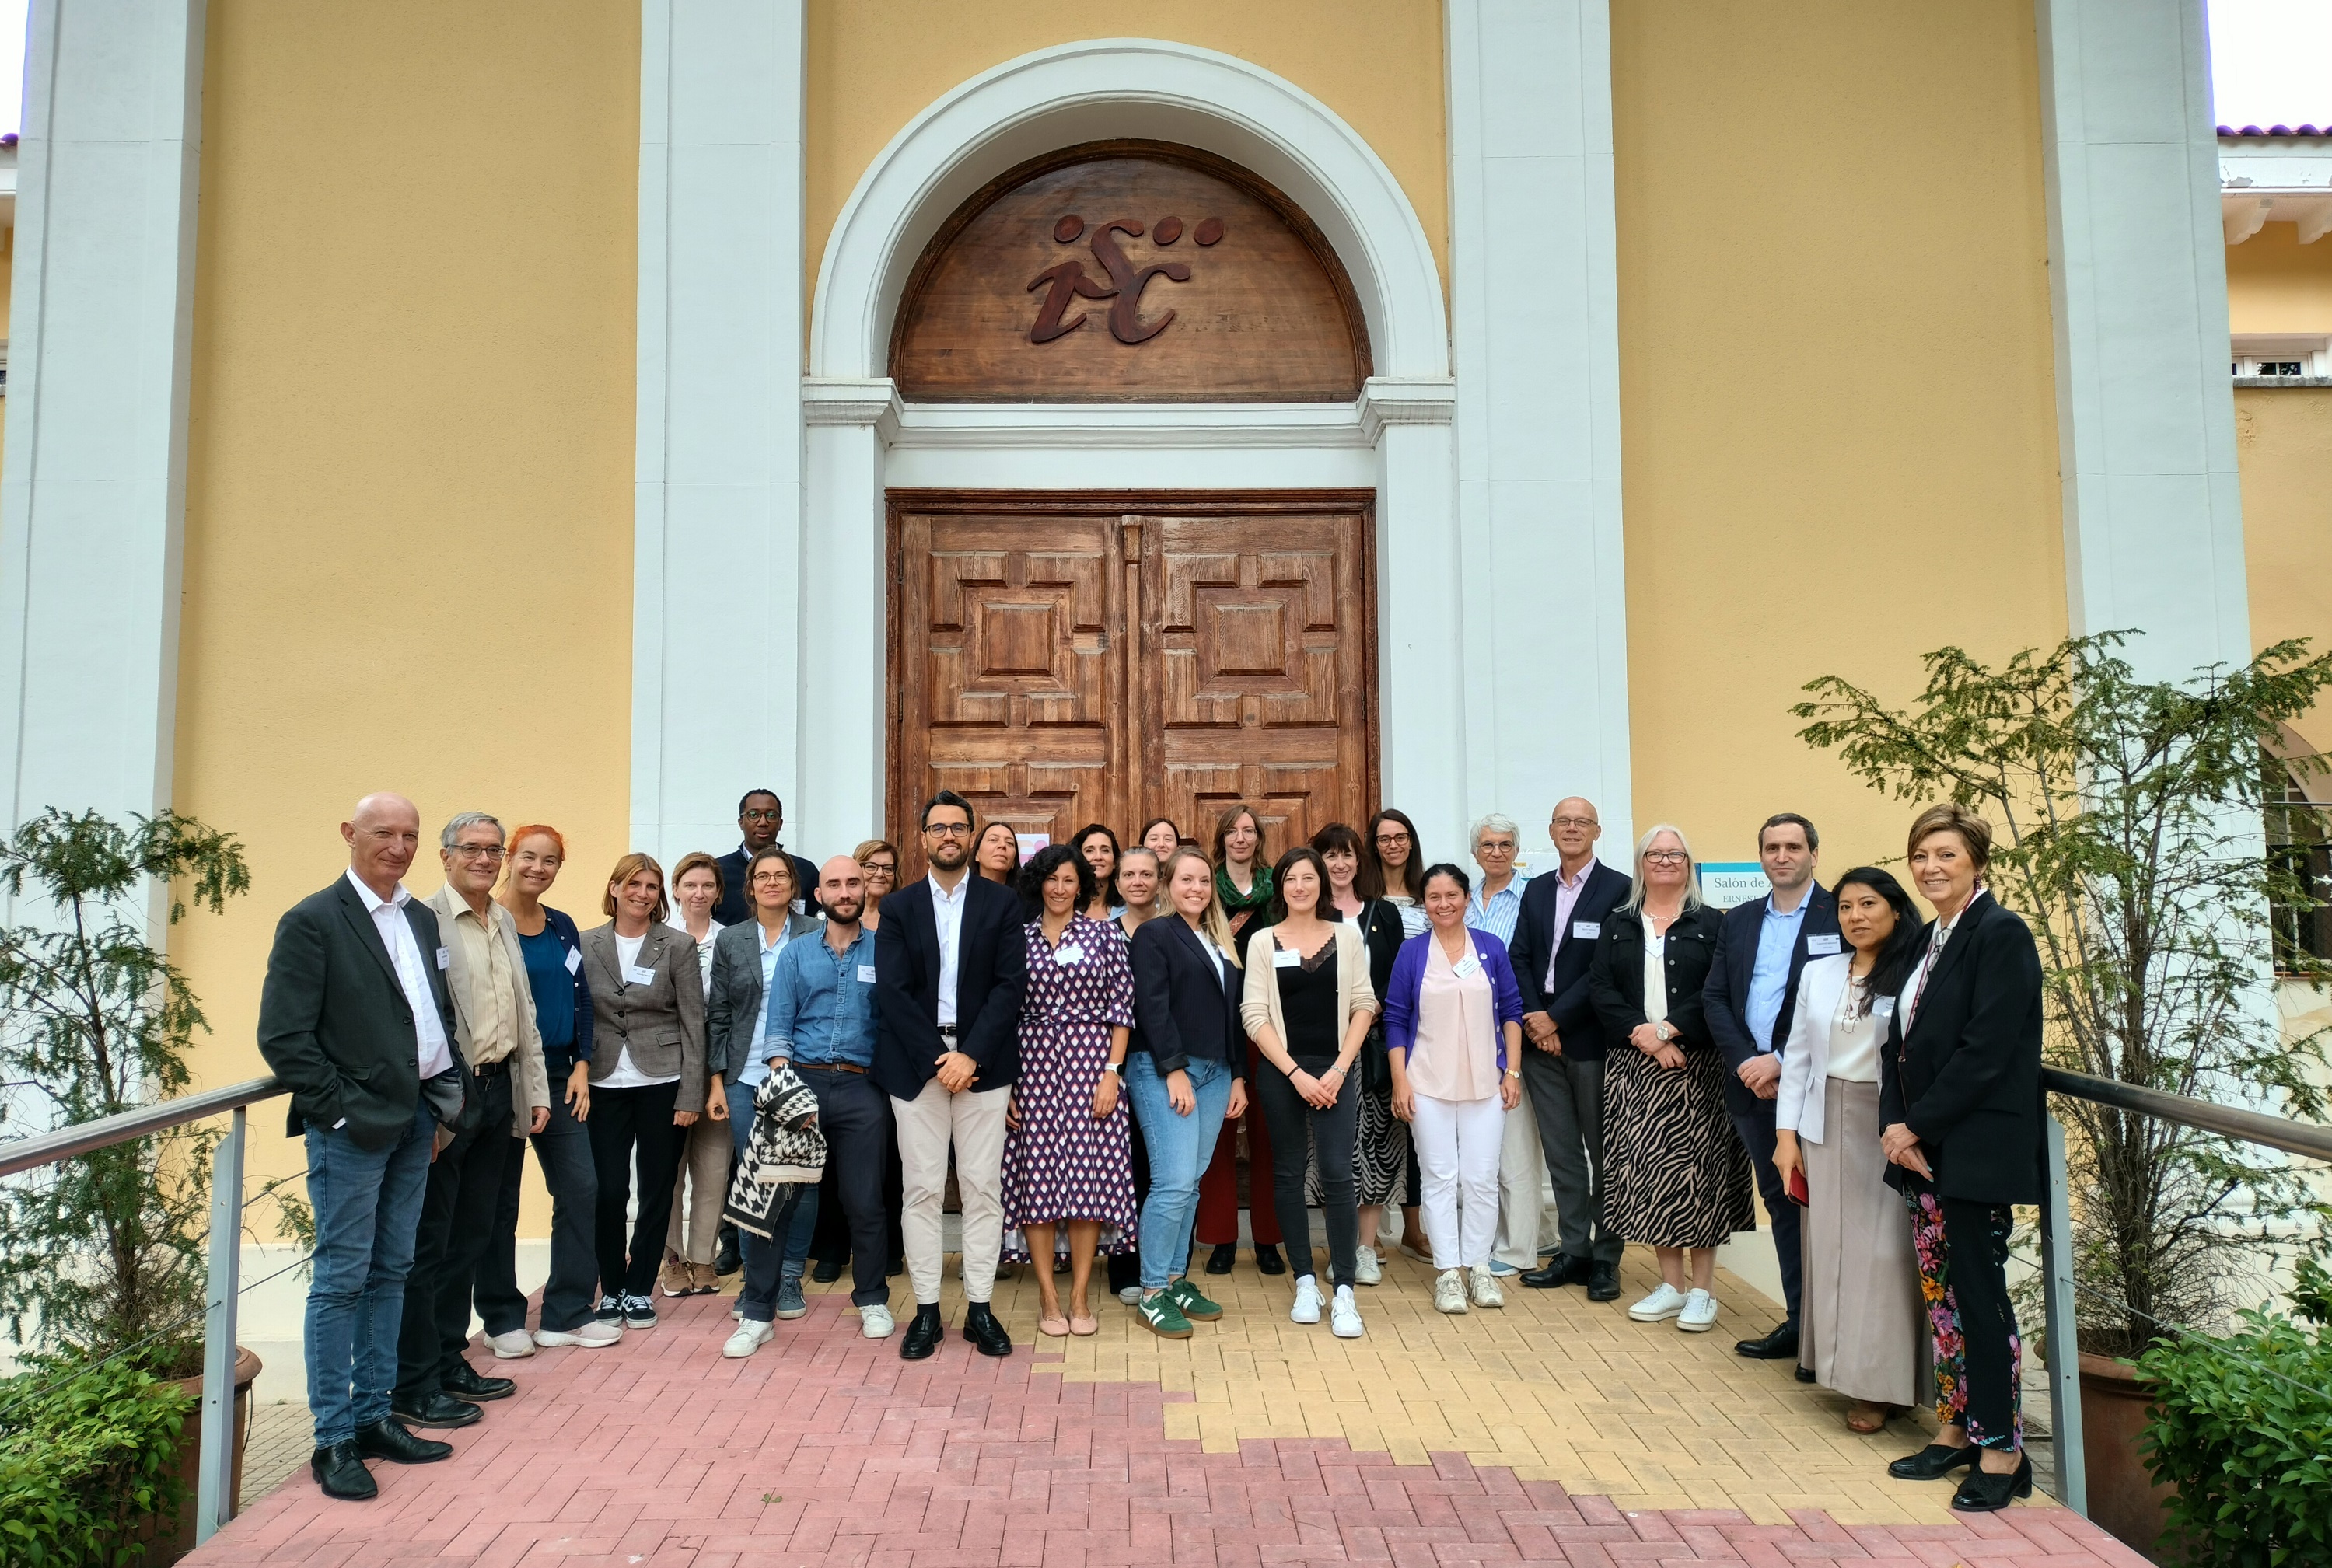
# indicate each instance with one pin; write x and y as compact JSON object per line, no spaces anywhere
{"x":1058,"y":1327}
{"x":1081,"y":1326}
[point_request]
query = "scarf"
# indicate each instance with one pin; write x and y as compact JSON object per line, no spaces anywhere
{"x":1236,"y":903}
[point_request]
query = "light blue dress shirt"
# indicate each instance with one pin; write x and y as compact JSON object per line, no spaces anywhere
{"x":756,"y":1066}
{"x":1769,"y":982}
{"x":1498,"y":914}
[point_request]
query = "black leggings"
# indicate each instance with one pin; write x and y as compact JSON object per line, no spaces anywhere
{"x":623,"y":1120}
{"x":1289,"y":1117}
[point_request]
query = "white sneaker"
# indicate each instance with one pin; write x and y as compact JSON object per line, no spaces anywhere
{"x":749,"y":1338}
{"x":1449,"y":1291}
{"x":1308,"y":1301}
{"x":1130,"y":1295}
{"x":1344,"y":1315}
{"x":1486,"y":1291}
{"x":1661,"y":1303}
{"x":1699,"y":1314}
{"x":593,"y":1334}
{"x":515,"y":1346}
{"x":1366,"y":1266}
{"x":874,"y":1321}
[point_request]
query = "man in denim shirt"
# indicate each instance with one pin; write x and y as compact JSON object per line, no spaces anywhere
{"x":821,"y":1021}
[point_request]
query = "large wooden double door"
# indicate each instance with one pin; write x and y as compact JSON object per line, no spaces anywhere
{"x":1066,"y":657}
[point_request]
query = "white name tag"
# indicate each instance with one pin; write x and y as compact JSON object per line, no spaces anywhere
{"x":1284,"y":958}
{"x":1587,"y":930}
{"x":1882,"y":1007}
{"x":1825,"y":947}
{"x":1465,"y":966}
{"x":1067,"y":954}
{"x":636,"y":976}
{"x":574,"y":959}
{"x":444,"y":957}
{"x":866,"y":974}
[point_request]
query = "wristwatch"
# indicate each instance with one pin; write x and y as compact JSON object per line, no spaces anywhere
{"x":1514,"y":1072}
{"x":1116,"y":1066}
{"x":1663,"y":1031}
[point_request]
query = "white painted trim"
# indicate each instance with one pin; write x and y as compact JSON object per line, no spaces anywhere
{"x":92,"y":502}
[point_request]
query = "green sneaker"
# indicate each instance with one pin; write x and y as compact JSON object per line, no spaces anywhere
{"x":1195,"y":1307}
{"x":1163,"y":1316}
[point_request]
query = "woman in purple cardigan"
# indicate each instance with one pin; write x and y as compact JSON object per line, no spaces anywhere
{"x":1454,"y":1033}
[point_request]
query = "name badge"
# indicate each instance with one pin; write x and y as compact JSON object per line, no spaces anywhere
{"x":1465,"y":966}
{"x":1067,"y":954}
{"x":1285,"y":958}
{"x":444,"y":957}
{"x":636,"y":976}
{"x":574,"y":959}
{"x":1587,"y":930}
{"x":866,"y":974}
{"x":1825,"y":947}
{"x":1882,"y":1007}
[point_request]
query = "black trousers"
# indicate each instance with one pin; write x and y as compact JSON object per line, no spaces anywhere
{"x":855,"y":1119}
{"x":1126,"y":1268}
{"x":830,"y":1239}
{"x":1288,"y":1118}
{"x":1756,"y":1133}
{"x":625,"y":1121}
{"x":563,"y":1149}
{"x":457,"y":1221}
{"x":1976,"y":1239}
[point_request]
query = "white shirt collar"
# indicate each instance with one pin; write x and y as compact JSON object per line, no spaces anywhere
{"x":373,"y":902}
{"x":942,"y":895}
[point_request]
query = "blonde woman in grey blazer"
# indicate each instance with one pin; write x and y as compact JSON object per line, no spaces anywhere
{"x":648,"y":1077}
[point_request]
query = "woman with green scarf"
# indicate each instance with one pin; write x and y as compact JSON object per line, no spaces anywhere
{"x":1242,"y":865}
{"x":1243,"y":886}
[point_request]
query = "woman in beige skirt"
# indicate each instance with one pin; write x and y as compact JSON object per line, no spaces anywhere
{"x":1863,"y":1332}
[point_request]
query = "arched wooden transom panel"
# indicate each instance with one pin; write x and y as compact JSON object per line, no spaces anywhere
{"x":1128,"y":272}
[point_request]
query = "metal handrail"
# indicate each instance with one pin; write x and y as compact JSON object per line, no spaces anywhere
{"x":215,"y":1501}
{"x":2057,"y":1231}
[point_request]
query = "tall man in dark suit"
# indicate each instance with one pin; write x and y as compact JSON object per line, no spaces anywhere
{"x":761,"y":818}
{"x":355,"y":1016}
{"x":950,"y":966}
{"x":1751,"y":995}
{"x":1554,"y":938}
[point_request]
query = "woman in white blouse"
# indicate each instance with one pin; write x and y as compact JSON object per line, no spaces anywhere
{"x":703,"y":1181}
{"x":1864,"y":1328}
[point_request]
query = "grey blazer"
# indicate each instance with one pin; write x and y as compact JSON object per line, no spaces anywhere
{"x":737,"y":998}
{"x":662,"y":1023}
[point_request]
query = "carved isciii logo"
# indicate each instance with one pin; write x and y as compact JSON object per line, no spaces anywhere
{"x":1069,"y":281}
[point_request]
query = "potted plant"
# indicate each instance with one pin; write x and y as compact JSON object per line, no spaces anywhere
{"x":2130,"y":816}
{"x":103,"y":1258}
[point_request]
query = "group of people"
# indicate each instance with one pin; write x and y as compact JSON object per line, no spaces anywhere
{"x":1087,"y":1040}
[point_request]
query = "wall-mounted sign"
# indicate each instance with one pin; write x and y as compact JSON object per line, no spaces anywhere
{"x":1724,"y":883}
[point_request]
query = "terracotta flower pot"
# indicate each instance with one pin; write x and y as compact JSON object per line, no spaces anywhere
{"x":190,"y":1458}
{"x":2124,"y":1498}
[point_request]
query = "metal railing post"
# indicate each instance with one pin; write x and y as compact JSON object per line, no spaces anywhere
{"x":214,"y":1499}
{"x":2064,"y":1332}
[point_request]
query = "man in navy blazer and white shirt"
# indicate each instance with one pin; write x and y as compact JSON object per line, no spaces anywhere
{"x":1554,"y":938}
{"x":1750,"y":996}
{"x":951,"y":964}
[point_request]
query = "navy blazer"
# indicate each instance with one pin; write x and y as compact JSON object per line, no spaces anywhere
{"x":1966,"y":1080}
{"x":1568,"y":1003}
{"x":991,"y":972}
{"x":1182,"y":1007}
{"x":1725,"y":997}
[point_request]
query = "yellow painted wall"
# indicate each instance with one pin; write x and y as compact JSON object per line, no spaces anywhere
{"x":1837,"y":408}
{"x":2276,"y":284}
{"x":875,"y":64}
{"x":409,"y":492}
{"x":2283,"y":441}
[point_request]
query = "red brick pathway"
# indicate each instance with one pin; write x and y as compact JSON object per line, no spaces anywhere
{"x":825,"y":1450}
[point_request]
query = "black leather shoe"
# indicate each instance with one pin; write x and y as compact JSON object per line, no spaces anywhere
{"x":728,"y":1260}
{"x":1267,"y":1258}
{"x":464,"y":1383}
{"x":1220,"y":1260}
{"x":1603,"y":1282}
{"x":980,"y":1327}
{"x":389,"y":1440}
{"x":1983,"y":1492}
{"x":894,"y":1267}
{"x":440,"y":1410}
{"x":1805,"y":1375}
{"x":1558,"y":1269}
{"x":1932,"y":1463}
{"x":340,"y":1471}
{"x":1781,"y":1344}
{"x":922,"y":1335}
{"x":827,"y":1271}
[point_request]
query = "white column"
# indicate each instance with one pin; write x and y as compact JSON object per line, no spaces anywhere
{"x":1423,"y":691}
{"x":717,"y":515}
{"x":92,"y":503}
{"x":845,"y":613}
{"x":2153,"y":511}
{"x":1535,"y":333}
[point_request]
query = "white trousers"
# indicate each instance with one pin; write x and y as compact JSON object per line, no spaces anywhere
{"x":973,"y":1122}
{"x":1457,"y":1143}
{"x":1522,"y":1188}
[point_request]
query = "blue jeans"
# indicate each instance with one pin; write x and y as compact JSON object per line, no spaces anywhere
{"x":1179,"y":1147}
{"x":805,"y":1220}
{"x":367,"y":1206}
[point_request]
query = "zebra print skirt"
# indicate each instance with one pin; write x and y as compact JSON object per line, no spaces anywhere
{"x":1674,"y":1172}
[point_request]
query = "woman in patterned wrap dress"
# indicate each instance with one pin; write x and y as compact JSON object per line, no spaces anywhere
{"x":1067,"y":1157}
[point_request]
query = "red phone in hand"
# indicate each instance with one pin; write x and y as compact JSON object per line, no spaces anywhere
{"x":1796,"y":1186}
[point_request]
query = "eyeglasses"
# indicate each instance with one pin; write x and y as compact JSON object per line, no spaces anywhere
{"x":1390,"y":840}
{"x":947,"y":830}
{"x":1494,"y":847}
{"x":1665,"y":856}
{"x":1576,"y":823}
{"x":760,"y":816}
{"x":487,"y":852}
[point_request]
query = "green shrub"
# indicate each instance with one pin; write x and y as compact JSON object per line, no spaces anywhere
{"x":88,"y":1470}
{"x":2241,"y":1428}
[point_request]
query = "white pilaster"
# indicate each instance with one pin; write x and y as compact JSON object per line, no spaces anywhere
{"x":92,"y":503}
{"x":1535,"y":335}
{"x":717,"y":524}
{"x":846,"y":688}
{"x":1422,"y":666}
{"x":2153,"y":511}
